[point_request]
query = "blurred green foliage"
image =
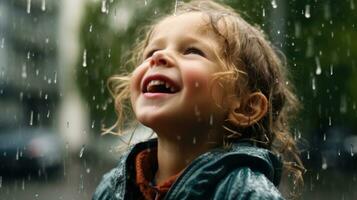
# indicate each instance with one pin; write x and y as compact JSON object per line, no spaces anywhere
{"x":319,"y":41}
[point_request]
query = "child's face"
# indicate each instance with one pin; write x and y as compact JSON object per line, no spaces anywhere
{"x":172,"y":88}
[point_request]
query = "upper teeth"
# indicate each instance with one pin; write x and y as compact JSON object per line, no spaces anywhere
{"x":159,"y":82}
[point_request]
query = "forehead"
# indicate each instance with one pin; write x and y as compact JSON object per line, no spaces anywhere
{"x":192,"y":24}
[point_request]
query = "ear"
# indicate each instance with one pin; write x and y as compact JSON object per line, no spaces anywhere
{"x":248,"y":112}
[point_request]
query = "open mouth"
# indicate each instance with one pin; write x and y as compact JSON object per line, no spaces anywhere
{"x":159,"y":84}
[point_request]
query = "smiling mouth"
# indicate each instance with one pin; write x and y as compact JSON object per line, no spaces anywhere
{"x":159,"y":86}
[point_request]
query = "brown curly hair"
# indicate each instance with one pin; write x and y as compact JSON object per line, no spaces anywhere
{"x":250,"y":62}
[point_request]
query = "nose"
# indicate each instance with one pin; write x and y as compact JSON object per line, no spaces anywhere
{"x":160,"y":58}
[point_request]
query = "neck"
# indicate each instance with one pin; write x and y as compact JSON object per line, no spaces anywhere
{"x":174,"y":154}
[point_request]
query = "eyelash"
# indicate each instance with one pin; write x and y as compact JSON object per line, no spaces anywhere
{"x":189,"y":50}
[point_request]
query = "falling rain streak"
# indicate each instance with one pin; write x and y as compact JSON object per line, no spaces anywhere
{"x":43,"y":5}
{"x":2,"y":42}
{"x":274,"y":4}
{"x":31,"y":118}
{"x":28,"y":8}
{"x":307,"y":11}
{"x":84,"y":64}
{"x":318,"y":66}
{"x":104,"y":6}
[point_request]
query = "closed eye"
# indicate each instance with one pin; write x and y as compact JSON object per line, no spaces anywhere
{"x":193,"y":50}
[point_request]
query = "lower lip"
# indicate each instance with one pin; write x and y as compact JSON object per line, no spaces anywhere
{"x":156,"y":95}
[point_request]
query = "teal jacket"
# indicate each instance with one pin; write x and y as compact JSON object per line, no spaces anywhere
{"x":241,"y":171}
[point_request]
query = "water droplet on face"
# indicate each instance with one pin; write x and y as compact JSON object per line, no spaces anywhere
{"x":318,"y":66}
{"x":84,"y":64}
{"x":273,"y":4}
{"x":307,"y":11}
{"x":28,"y":8}
{"x":43,"y":5}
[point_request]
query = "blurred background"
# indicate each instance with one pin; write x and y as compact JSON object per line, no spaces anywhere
{"x":55,"y":58}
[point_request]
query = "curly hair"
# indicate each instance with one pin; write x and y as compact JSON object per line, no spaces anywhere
{"x":252,"y":64}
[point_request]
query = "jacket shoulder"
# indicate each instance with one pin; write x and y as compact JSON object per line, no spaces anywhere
{"x":110,"y":187}
{"x":244,"y":183}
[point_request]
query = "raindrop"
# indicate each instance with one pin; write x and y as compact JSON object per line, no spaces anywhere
{"x":37,"y":72}
{"x":81,"y":152}
{"x":36,"y":195}
{"x":263,"y":12}
{"x":313,"y":83}
{"x":331,"y":69}
{"x":67,"y":124}
{"x":23,"y":184}
{"x":0,"y":181}
{"x":194,"y":140}
{"x":47,"y":40}
{"x":84,"y":64}
{"x":55,"y":79}
{"x":308,"y":155}
{"x":327,"y":11}
{"x":197,"y":84}
{"x":310,"y":47}
{"x":211,"y":120}
{"x":339,"y":152}
{"x":43,"y":5}
{"x":343,"y":106}
{"x":24,"y":71}
{"x":104,"y":6}
{"x":48,"y":114}
{"x":351,"y":150}
{"x":273,"y":4}
{"x":93,"y":123}
{"x":90,"y":28}
{"x":2,"y":42}
{"x":88,"y":170}
{"x":324,"y":138}
{"x":352,"y":4}
{"x":31,"y":118}
{"x":318,"y":66}
{"x":317,"y":176}
{"x":28,"y":55}
{"x":17,"y":154}
{"x":324,"y":164}
{"x":109,"y":53}
{"x":28,"y":8}
{"x":176,"y":4}
{"x":329,"y":121}
{"x":307,"y":11}
{"x":145,"y":2}
{"x":46,"y":96}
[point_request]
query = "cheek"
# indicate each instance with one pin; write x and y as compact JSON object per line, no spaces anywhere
{"x":135,"y":83}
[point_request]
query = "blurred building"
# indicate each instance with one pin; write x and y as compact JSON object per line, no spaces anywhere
{"x":28,"y":62}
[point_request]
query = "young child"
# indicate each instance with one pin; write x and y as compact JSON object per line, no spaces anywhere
{"x":215,"y":92}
